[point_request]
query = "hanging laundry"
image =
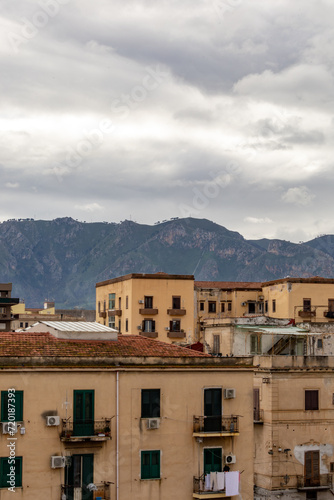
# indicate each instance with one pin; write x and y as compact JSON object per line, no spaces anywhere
{"x":231,"y":483}
{"x":220,"y":480}
{"x":207,"y":482}
{"x":213,"y":481}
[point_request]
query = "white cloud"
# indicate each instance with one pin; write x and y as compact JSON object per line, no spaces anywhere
{"x":89,"y":208}
{"x":298,"y":196}
{"x":12,"y":185}
{"x":256,"y":220}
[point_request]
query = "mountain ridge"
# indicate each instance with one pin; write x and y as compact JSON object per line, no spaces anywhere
{"x":62,"y":259}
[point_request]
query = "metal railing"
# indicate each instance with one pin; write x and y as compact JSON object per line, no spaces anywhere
{"x":102,"y":490}
{"x":321,"y":481}
{"x":71,"y":429}
{"x":221,"y":424}
{"x":258,"y":415}
{"x":199,"y":486}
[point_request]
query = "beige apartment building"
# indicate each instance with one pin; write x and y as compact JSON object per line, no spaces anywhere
{"x":119,"y":419}
{"x":159,"y":306}
{"x":6,"y":302}
{"x":294,"y":432}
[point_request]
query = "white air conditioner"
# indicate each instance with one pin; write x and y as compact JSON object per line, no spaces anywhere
{"x":58,"y":462}
{"x":230,"y":459}
{"x":167,"y":329}
{"x":244,"y":304}
{"x":229,"y":393}
{"x":52,"y":420}
{"x":140,"y":302}
{"x":139,"y":327}
{"x":153,"y":423}
{"x":9,"y":428}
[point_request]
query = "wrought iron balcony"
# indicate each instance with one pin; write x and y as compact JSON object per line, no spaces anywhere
{"x":320,"y":482}
{"x":102,"y":490}
{"x":88,"y":430}
{"x":146,"y":311}
{"x":199,"y":490}
{"x":216,"y":426}
{"x":258,"y":416}
{"x":306,"y":313}
{"x":115,"y":312}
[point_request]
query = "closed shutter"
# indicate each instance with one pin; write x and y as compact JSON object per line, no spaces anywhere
{"x":312,"y":400}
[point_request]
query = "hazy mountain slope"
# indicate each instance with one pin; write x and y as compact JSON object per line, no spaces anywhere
{"x":63,"y":259}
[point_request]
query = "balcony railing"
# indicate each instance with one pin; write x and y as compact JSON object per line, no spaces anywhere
{"x":8,"y":301}
{"x":329,"y":314}
{"x":258,"y":416}
{"x":115,"y":312}
{"x":176,"y":312}
{"x":199,"y":490}
{"x":150,"y":335}
{"x":304,"y":313}
{"x":94,"y":430}
{"x":177,"y":334}
{"x":102,"y":490}
{"x":147,"y":311}
{"x":103,"y":314}
{"x":323,"y":482}
{"x":216,"y":425}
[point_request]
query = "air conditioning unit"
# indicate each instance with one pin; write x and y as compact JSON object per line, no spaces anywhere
{"x":140,"y":302}
{"x":229,"y":393}
{"x":244,"y":304}
{"x":9,"y":428}
{"x":139,"y":327}
{"x":153,"y":423}
{"x":52,"y":420}
{"x":230,"y":459}
{"x":58,"y":462}
{"x":167,"y":329}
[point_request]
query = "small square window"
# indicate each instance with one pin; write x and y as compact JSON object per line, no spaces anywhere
{"x":201,"y":306}
{"x":150,"y":464}
{"x":212,"y":307}
{"x":319,"y":343}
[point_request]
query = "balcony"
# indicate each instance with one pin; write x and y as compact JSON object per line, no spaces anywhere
{"x":199,"y":490}
{"x":102,"y":491}
{"x":102,"y":314}
{"x":150,"y":335}
{"x":8,"y":301}
{"x":321,"y":482}
{"x":148,"y":311}
{"x":95,"y":430}
{"x":217,"y":426}
{"x":179,"y":334}
{"x":258,"y":416}
{"x":329,"y":314}
{"x":115,"y":312}
{"x":306,"y":314}
{"x":176,"y":312}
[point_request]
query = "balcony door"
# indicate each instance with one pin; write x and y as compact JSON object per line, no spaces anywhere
{"x":213,"y":410}
{"x":212,"y":460}
{"x":312,"y":468}
{"x":83,"y":418}
{"x":78,"y":475}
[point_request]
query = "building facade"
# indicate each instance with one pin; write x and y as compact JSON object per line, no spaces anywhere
{"x":6,"y":302}
{"x":157,"y":305}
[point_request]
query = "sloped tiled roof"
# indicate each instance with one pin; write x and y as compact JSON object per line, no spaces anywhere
{"x":46,"y":345}
{"x":229,"y":285}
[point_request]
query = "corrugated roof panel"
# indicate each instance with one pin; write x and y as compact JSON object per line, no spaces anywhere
{"x":77,"y":326}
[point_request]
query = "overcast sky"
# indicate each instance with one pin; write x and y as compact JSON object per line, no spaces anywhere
{"x":152,"y":109}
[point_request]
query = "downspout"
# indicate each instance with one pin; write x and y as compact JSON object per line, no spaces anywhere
{"x":117,"y":435}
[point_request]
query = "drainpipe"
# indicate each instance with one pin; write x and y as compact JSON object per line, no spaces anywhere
{"x":117,"y":435}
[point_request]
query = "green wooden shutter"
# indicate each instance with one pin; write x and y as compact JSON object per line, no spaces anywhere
{"x":212,"y":460}
{"x":5,"y":469}
{"x":150,"y":464}
{"x":18,"y":406}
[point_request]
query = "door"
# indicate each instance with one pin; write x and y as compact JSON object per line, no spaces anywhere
{"x":312,"y":468}
{"x":78,"y":475}
{"x":256,"y":402}
{"x":212,"y":410}
{"x":212,"y":460}
{"x":83,"y":419}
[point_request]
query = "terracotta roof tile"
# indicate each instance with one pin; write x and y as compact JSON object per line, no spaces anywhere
{"x":46,"y":345}
{"x":229,"y":285}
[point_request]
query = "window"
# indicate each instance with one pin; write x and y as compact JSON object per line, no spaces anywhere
{"x":111,"y":322}
{"x":119,"y":326}
{"x":104,"y":306}
{"x":265,"y":306}
{"x":150,"y":403}
{"x":307,"y":305}
{"x":148,"y":302}
{"x":274,"y":305}
{"x":212,"y":460}
{"x":212,"y":307}
{"x":175,"y":325}
{"x":251,"y":307}
{"x":229,"y":306}
{"x":222,"y":307}
{"x":99,"y":307}
{"x":119,"y":302}
{"x":201,"y":306}
{"x":319,"y":343}
{"x":312,"y":400}
{"x":216,"y":344}
{"x":7,"y":466}
{"x":255,"y":344}
{"x":126,"y":325}
{"x":127,"y":302}
{"x":21,"y":324}
{"x":112,"y":300}
{"x":176,"y":302}
{"x":150,"y":464}
{"x":148,"y":325}
{"x":14,"y":402}
{"x":26,"y":325}
{"x":83,"y":413}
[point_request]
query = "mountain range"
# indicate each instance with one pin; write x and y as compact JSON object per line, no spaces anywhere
{"x":62,"y":259}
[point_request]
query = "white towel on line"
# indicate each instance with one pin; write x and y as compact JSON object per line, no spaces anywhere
{"x":207,"y":482}
{"x":231,"y":483}
{"x":220,"y":480}
{"x":213,"y":481}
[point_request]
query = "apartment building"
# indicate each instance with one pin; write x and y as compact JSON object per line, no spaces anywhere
{"x":294,"y":434}
{"x":125,"y":418}
{"x":6,"y":302}
{"x":159,"y":306}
